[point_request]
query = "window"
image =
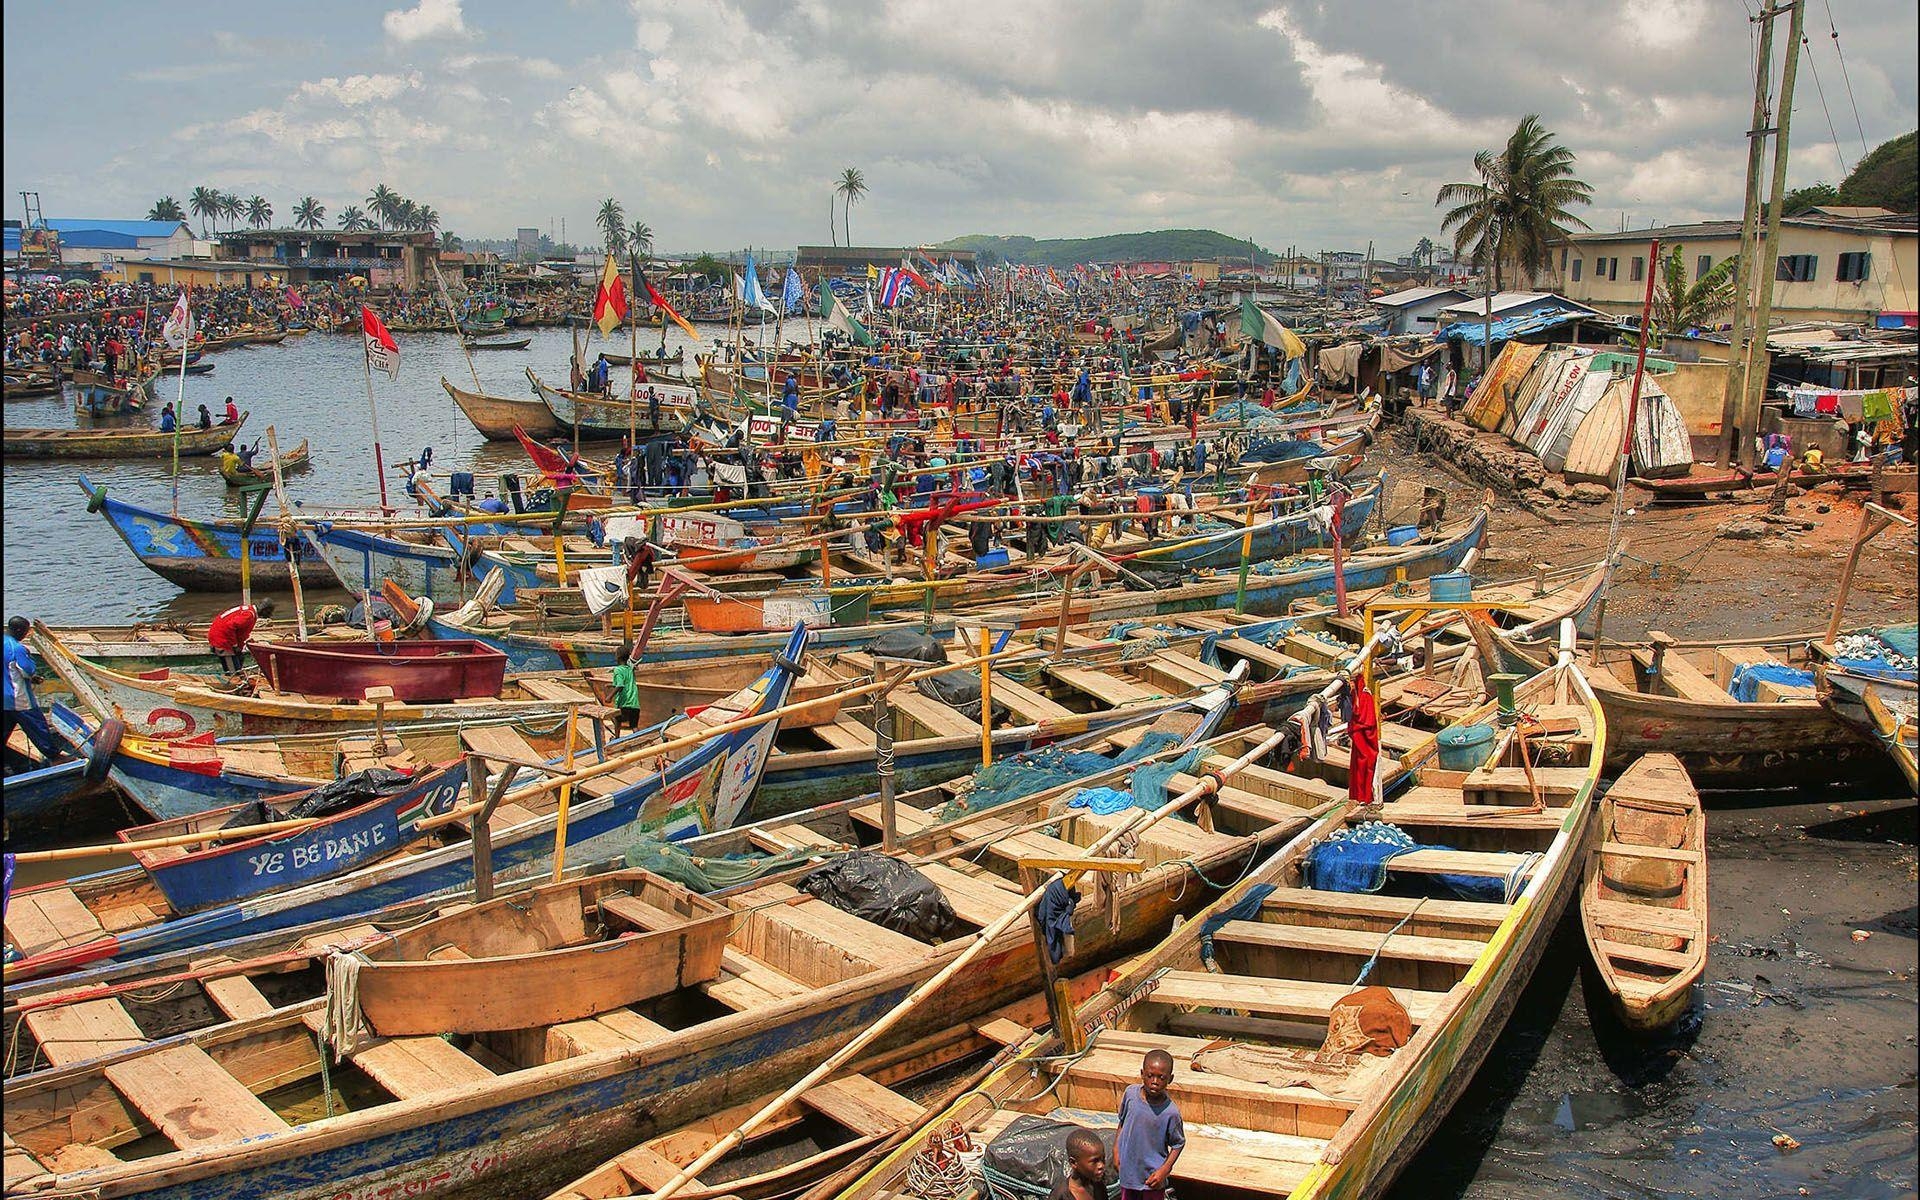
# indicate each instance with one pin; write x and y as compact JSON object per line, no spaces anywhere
{"x":146,"y":277}
{"x":1639,"y":269}
{"x":1701,"y":267}
{"x":1577,"y":264}
{"x":1613,"y":269}
{"x":1795,"y":268}
{"x":1855,"y":266}
{"x":1563,"y":258}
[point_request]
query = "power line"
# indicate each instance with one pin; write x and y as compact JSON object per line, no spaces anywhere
{"x":1845,"y":170}
{"x":1846,"y":77}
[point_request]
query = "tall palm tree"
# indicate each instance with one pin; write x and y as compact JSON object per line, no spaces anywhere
{"x":405,"y":215}
{"x":640,"y":238}
{"x":232,"y":207}
{"x":612,"y":220}
{"x":205,"y":203}
{"x":1520,"y":206}
{"x":1679,"y":305}
{"x":425,"y":219}
{"x":352,"y":219}
{"x":166,"y":208}
{"x":259,"y":212}
{"x":851,"y":187}
{"x":382,"y":203}
{"x":309,"y":213}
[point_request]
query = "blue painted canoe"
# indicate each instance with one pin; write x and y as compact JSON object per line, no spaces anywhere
{"x":203,"y":556}
{"x":706,"y":788}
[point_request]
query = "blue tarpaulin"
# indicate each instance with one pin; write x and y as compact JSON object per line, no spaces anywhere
{"x":1507,"y":328}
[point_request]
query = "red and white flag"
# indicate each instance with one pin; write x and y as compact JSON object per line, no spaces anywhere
{"x":178,"y":330}
{"x":382,"y":351}
{"x":293,"y":299}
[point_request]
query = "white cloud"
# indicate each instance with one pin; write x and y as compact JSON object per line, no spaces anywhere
{"x":427,"y":19}
{"x":359,"y":89}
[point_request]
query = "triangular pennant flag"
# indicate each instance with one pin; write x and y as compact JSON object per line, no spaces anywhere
{"x":642,"y":284}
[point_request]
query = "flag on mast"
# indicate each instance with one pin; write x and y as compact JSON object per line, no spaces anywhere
{"x":643,"y":285}
{"x":752,"y":295}
{"x":610,"y":300}
{"x":178,"y":330}
{"x":836,"y":317}
{"x":382,"y":351}
{"x":793,"y":295}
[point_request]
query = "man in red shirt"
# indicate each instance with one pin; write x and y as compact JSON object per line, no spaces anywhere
{"x":230,"y":631}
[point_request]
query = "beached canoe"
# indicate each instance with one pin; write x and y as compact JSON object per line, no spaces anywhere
{"x":523,"y":1110}
{"x":1321,"y":1031}
{"x":1643,"y":899}
{"x":262,"y":472}
{"x":116,"y":443}
{"x":495,"y":416}
{"x":599,"y":417}
{"x":1867,"y":680}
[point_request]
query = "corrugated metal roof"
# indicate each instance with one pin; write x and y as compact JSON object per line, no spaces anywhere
{"x":135,"y":229}
{"x":1415,"y":296}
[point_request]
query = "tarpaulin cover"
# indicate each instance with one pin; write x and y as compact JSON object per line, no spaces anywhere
{"x":1507,"y":328}
{"x":348,"y":791}
{"x":959,"y":691}
{"x":1029,"y":1158}
{"x":1396,"y":358}
{"x":908,"y":644}
{"x":1748,"y":677}
{"x":885,"y":891}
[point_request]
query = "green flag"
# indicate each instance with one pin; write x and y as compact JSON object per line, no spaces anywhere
{"x":837,"y":317}
{"x":1256,"y":324}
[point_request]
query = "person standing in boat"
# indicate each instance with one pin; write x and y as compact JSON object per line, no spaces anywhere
{"x":206,"y":418}
{"x":232,"y":630}
{"x":1151,"y":1132}
{"x":626,"y":691}
{"x":22,"y":708}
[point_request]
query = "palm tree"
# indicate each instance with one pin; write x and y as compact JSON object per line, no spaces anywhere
{"x":1519,"y":208}
{"x":640,"y":238}
{"x":425,"y":219}
{"x":309,"y":213}
{"x":166,"y":208}
{"x":451,"y":241}
{"x":231,"y":206}
{"x":383,"y":202}
{"x":612,"y":220}
{"x":353,"y":219}
{"x":405,"y":215}
{"x":259,"y":212}
{"x":851,"y":187}
{"x":1678,"y":305}
{"x":205,"y":203}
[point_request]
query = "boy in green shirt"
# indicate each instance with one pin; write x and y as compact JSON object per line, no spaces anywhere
{"x":626,"y":692}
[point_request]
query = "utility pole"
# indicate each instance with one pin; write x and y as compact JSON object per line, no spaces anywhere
{"x":1735,"y":422}
{"x":1755,"y":380}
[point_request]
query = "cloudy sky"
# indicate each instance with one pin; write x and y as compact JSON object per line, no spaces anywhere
{"x":723,"y":123}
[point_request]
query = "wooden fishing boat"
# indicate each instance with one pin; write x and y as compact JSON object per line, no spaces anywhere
{"x":344,"y":839}
{"x":1643,"y":898}
{"x":651,"y":360}
{"x":666,"y":690}
{"x":292,"y":460}
{"x":1872,"y":694}
{"x":1702,"y":489}
{"x":1304,"y":453}
{"x":416,"y":672}
{"x":1674,"y":697}
{"x":495,"y":416}
{"x":421,"y":562}
{"x":519,"y":1110}
{"x":43,"y":795}
{"x":1320,"y":1035}
{"x":704,"y":784}
{"x":116,"y":443}
{"x":98,"y":394}
{"x":498,"y":343}
{"x":201,"y":556}
{"x":603,"y":418}
{"x":147,"y":646}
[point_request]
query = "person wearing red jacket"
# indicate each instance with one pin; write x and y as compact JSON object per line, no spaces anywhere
{"x":230,"y":631}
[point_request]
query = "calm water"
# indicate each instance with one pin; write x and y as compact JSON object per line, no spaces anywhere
{"x":66,"y":565}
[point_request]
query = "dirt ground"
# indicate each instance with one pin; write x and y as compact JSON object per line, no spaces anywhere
{"x":1681,"y":573}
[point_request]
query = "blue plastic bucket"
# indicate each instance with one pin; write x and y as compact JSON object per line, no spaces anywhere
{"x":1400,"y":535}
{"x":1451,"y":587}
{"x":1465,"y":747}
{"x":992,"y":558}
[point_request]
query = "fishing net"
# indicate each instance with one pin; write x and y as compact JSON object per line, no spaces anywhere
{"x":1747,"y":678}
{"x":1050,"y":766}
{"x":669,"y":861}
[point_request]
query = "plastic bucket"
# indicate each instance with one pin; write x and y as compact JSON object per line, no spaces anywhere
{"x":1452,"y":587}
{"x":1465,"y":747}
{"x":992,"y":558}
{"x":1400,"y":535}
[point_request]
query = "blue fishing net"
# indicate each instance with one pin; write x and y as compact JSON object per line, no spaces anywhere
{"x":1355,"y":859}
{"x":1247,"y":908}
{"x":1104,"y":801}
{"x":1038,"y":770}
{"x":1150,"y":781}
{"x":1748,"y":677}
{"x":1882,"y":653}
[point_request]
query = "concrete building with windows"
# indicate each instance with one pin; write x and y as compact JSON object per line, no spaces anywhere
{"x":385,"y":258}
{"x":1835,"y":264}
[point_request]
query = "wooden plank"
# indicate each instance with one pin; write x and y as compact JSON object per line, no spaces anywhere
{"x":1266,"y":656}
{"x":237,"y":997}
{"x":1675,"y":921}
{"x":1470,"y":816}
{"x":1484,"y":916}
{"x":1493,"y":864}
{"x":1669,"y":960}
{"x":1104,"y":686}
{"x":1629,"y":850}
{"x":862,"y":1105}
{"x":49,"y":919}
{"x":939,"y":719}
{"x":501,"y":742}
{"x":1285,"y":997}
{"x":1003,"y":1030}
{"x":975,"y":900}
{"x":1687,"y":681}
{"x":412,"y":1066}
{"x":555,"y":691}
{"x":190,"y":1099}
{"x":651,"y":1169}
{"x":1552,"y":781}
{"x":1363,"y":943}
{"x":1030,"y":706}
{"x":70,"y":1033}
{"x":844,"y":734}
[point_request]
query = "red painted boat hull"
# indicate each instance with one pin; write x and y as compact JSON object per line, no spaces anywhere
{"x":455,"y":669}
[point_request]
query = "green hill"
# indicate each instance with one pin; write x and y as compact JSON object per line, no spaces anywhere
{"x":1160,"y":245}
{"x":1887,"y":177}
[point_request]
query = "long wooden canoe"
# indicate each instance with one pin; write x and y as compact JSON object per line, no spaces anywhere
{"x":1285,"y":1089}
{"x":116,"y":443}
{"x":203,"y":556}
{"x":290,"y":460}
{"x":1643,"y":898}
{"x":495,"y":416}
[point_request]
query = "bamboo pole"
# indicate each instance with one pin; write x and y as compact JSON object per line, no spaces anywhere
{"x":1137,"y":821}
{"x":292,"y":533}
{"x":182,"y":839}
{"x":566,"y":798}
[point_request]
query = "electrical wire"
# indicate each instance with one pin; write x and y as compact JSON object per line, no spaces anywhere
{"x":1846,"y":76}
{"x":1820,"y":91}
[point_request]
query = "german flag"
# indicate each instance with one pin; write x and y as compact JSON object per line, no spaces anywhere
{"x":660,"y":302}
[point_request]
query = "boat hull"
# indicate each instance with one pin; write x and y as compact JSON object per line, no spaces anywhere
{"x":495,"y":416}
{"x":204,"y":555}
{"x":417,"y":672}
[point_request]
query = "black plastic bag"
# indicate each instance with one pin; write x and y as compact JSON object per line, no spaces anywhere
{"x":908,"y":644}
{"x":885,"y":891}
{"x":959,"y":691}
{"x":348,"y":791}
{"x":1032,"y":1154}
{"x":253,"y":813}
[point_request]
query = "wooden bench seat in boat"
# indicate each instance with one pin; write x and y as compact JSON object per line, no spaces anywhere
{"x":1299,"y":790}
{"x":1029,"y":706}
{"x":506,"y":816}
{"x":1266,"y":656}
{"x":1551,"y":781}
{"x":1185,"y":667}
{"x":938,"y":719}
{"x":1687,"y":681}
{"x":1169,"y":840}
{"x":813,"y":941}
{"x":1016,"y":846}
{"x":844,"y":734}
{"x":1492,"y":864}
{"x":978,"y":899}
{"x":906,"y":818}
{"x":1446,"y":810}
{"x":1669,"y":960}
{"x":70,"y":1033}
{"x":1112,"y":1065}
{"x":1209,"y":622}
{"x":621,"y":1029}
{"x":1401,"y":738}
{"x":1468,"y":919}
{"x":1296,"y":998}
{"x":1634,"y":850}
{"x":500,"y":742}
{"x":1270,"y":1164}
{"x":412,"y":1066}
{"x":1315,"y":652}
{"x":1103,"y":685}
{"x":779,"y":839}
{"x":1728,"y":659}
{"x":868,"y":1108}
{"x":1648,"y":917}
{"x":234,"y":995}
{"x":50,"y":918}
{"x":1361,"y":942}
{"x":745,"y":983}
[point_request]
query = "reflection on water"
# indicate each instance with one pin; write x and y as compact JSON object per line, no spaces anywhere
{"x":65,"y":565}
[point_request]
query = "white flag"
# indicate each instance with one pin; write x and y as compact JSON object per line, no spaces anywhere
{"x":178,"y":330}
